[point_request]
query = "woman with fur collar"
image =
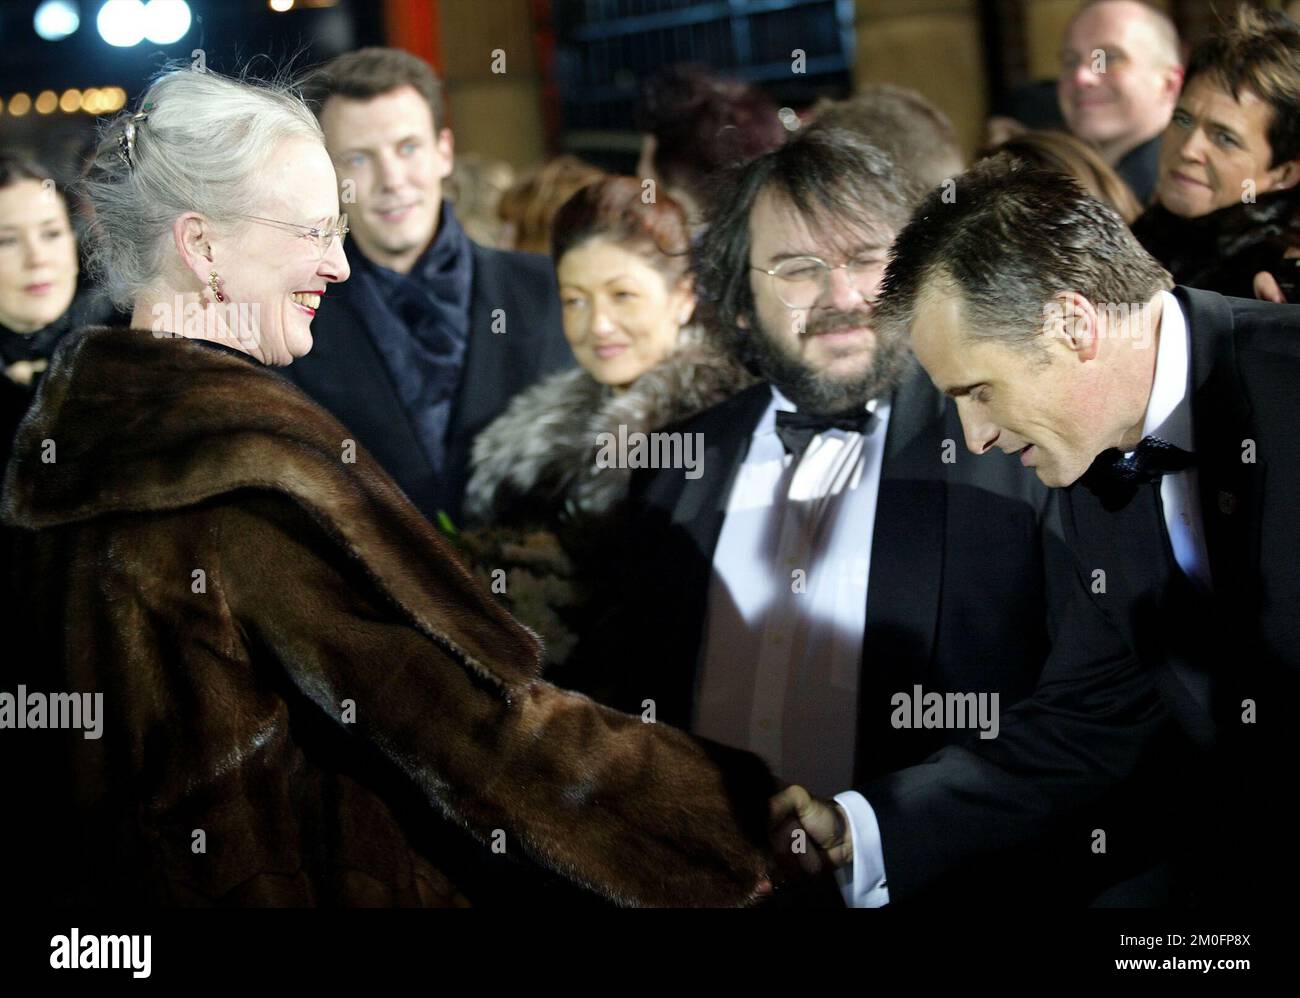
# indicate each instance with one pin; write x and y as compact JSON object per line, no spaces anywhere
{"x":548,"y":503}
{"x":291,"y":692}
{"x":1226,"y":210}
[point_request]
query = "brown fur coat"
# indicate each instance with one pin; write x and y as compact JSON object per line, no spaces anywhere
{"x":294,"y":665}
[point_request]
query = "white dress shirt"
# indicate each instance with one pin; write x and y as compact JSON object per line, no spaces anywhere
{"x":788,"y":600}
{"x":1169,"y":417}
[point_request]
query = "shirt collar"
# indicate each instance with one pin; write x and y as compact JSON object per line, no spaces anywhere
{"x":1169,"y":414}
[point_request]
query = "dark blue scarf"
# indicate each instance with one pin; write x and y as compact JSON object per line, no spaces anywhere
{"x":420,"y":324}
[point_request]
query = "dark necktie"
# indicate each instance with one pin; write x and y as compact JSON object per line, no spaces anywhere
{"x":796,"y":429}
{"x":1152,"y":459}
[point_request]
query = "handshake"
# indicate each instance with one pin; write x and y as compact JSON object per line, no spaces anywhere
{"x":810,"y":840}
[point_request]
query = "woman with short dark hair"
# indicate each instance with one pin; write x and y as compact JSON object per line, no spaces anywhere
{"x":1226,"y":197}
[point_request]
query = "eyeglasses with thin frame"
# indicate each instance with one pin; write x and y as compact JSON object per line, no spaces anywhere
{"x":801,"y":280}
{"x":323,"y":238}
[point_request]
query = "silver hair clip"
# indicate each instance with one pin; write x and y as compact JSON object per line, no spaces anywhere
{"x":126,"y":141}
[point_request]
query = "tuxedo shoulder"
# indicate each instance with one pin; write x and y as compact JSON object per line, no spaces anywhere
{"x":527,"y":266}
{"x":736,"y":415}
{"x":1266,"y":328}
{"x":1256,"y":326}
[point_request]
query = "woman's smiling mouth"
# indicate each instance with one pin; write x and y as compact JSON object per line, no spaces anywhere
{"x":308,"y":301}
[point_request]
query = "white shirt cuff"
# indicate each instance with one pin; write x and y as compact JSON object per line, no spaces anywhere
{"x":862,"y":882}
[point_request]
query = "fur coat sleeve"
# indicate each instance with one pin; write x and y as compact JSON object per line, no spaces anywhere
{"x":328,"y":605}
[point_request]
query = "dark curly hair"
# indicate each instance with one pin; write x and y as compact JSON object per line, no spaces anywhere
{"x":836,"y":178}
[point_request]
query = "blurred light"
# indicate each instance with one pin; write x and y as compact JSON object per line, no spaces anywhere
{"x":71,"y":100}
{"x":92,"y":102}
{"x":19,"y":104}
{"x":116,"y":97}
{"x":56,"y":19}
{"x":789,"y":118}
{"x":46,"y":102}
{"x":280,"y":6}
{"x":121,"y":22}
{"x":166,"y":21}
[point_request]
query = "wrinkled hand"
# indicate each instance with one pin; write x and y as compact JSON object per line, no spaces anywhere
{"x":809,"y":835}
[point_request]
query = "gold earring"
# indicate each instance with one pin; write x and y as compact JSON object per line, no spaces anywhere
{"x":212,"y":283}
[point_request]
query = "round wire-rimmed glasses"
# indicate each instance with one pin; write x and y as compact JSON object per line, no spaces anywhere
{"x":801,"y":280}
{"x":323,"y":238}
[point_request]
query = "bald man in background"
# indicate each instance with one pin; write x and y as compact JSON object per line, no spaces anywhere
{"x":1121,"y":71}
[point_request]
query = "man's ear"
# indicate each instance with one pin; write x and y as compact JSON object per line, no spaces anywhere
{"x":1173,"y":82}
{"x":686,"y":299}
{"x":1072,"y":319}
{"x":1284,"y":176}
{"x":446,"y":145}
{"x":192,"y":235}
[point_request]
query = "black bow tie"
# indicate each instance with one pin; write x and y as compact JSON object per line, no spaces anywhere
{"x":796,"y":429}
{"x":1150,"y":461}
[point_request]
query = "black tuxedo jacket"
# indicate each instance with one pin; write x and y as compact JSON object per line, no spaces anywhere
{"x":968,"y":577}
{"x":958,"y":584}
{"x":1139,"y":644}
{"x":345,"y":373}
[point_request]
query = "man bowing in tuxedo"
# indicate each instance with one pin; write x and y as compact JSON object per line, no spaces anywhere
{"x":1167,"y":418}
{"x":839,"y":559}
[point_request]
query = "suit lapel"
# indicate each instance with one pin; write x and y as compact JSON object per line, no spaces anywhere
{"x":696,"y":515}
{"x":393,"y":432}
{"x":1231,"y":475}
{"x":702,"y":504}
{"x":1128,"y":565}
{"x":481,"y":378}
{"x":1126,"y":536}
{"x":907,"y":560}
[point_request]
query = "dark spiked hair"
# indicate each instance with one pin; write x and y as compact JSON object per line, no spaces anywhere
{"x":1010,"y":238}
{"x":1260,"y":52}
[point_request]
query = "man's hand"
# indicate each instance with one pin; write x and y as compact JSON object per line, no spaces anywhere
{"x":797,"y":816}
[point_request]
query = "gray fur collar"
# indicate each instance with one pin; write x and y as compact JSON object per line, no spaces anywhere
{"x":537,"y":461}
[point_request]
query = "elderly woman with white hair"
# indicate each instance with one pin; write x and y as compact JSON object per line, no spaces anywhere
{"x":291,"y":692}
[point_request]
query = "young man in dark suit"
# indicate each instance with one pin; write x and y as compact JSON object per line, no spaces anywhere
{"x":1167,"y":420}
{"x":837,"y":561}
{"x":434,"y":334}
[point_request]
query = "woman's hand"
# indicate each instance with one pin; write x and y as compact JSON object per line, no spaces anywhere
{"x":1266,"y":288}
